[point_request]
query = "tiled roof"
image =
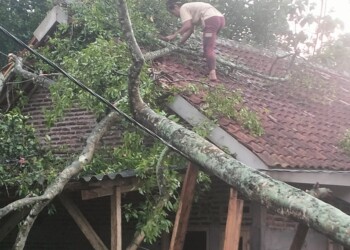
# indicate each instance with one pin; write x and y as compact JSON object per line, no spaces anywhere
{"x":304,"y":119}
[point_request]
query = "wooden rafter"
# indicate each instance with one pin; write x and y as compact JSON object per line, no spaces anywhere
{"x":183,"y":212}
{"x":82,"y":223}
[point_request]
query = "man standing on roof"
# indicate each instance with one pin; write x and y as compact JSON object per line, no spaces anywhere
{"x":196,"y":13}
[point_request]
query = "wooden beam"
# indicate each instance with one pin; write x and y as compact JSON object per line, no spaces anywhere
{"x":82,"y":223}
{"x":183,"y":212}
{"x":116,"y":220}
{"x":299,"y":237}
{"x":105,"y":191}
{"x":302,"y":229}
{"x":233,"y":221}
{"x":239,"y":216}
{"x":12,"y":222}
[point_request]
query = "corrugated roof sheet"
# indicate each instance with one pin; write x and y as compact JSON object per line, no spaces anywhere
{"x":110,"y":176}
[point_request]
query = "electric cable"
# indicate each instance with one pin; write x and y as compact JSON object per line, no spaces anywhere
{"x":2,"y":53}
{"x":100,"y":98}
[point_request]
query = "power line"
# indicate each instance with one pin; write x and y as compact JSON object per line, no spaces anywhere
{"x":82,"y":86}
{"x":2,"y":53}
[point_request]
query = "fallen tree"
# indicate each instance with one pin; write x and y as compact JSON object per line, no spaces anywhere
{"x":278,"y":196}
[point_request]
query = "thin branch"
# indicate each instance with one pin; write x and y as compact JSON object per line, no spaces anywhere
{"x":29,"y":75}
{"x":221,"y":61}
{"x":160,"y":172}
{"x":63,"y":178}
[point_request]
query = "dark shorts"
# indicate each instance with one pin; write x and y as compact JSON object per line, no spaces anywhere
{"x":212,"y":26}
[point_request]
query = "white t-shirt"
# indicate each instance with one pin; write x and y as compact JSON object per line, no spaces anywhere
{"x":198,"y":12}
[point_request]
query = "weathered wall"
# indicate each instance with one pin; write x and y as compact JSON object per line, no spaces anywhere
{"x":69,"y":133}
{"x":279,"y":232}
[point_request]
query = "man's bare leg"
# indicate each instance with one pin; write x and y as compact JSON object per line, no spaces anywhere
{"x":212,"y":75}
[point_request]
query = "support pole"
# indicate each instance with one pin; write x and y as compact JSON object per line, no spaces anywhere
{"x":302,"y":229}
{"x":233,"y":221}
{"x":299,"y":237}
{"x":183,"y":212}
{"x":116,"y":220}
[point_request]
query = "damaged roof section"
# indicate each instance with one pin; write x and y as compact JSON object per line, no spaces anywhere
{"x":304,"y":118}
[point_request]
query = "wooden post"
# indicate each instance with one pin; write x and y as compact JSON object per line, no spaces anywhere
{"x":302,"y":229}
{"x":230,"y":221}
{"x":82,"y":223}
{"x":299,"y":237}
{"x":233,"y":221}
{"x":183,"y":212}
{"x":116,"y":220}
{"x":239,"y":216}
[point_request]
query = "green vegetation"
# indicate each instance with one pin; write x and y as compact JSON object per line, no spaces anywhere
{"x":345,"y":141}
{"x":23,"y":163}
{"x":221,"y":102}
{"x":20,"y":18}
{"x":92,"y":50}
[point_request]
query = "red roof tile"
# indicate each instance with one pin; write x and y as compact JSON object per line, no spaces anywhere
{"x":303,"y":119}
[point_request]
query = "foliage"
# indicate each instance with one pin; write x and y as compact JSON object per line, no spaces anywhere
{"x":23,"y":163}
{"x":307,"y":86}
{"x":205,"y":128}
{"x":345,"y":142}
{"x":142,"y":154}
{"x":222,"y":102}
{"x":20,"y":18}
{"x":150,"y":18}
{"x":254,"y":21}
{"x":310,"y":29}
{"x":335,"y":54}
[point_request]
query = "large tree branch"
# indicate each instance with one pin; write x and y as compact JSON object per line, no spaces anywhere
{"x":254,"y":185}
{"x":63,"y":178}
{"x":18,"y":68}
{"x":57,"y":186}
{"x":73,"y":169}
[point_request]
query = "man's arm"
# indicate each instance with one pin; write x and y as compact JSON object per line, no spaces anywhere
{"x":186,"y":27}
{"x":186,"y":35}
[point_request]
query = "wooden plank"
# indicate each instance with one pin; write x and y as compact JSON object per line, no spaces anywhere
{"x":183,"y":212}
{"x":302,"y":229}
{"x":258,"y":213}
{"x":231,"y":221}
{"x":116,"y":220}
{"x":54,"y":16}
{"x":12,"y":222}
{"x":105,"y":191}
{"x":237,"y":231}
{"x":299,"y":237}
{"x":82,"y":223}
{"x":96,"y":193}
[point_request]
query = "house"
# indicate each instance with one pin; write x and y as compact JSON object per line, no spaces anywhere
{"x":304,"y":118}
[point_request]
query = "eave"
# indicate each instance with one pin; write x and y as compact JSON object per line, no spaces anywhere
{"x":224,"y":140}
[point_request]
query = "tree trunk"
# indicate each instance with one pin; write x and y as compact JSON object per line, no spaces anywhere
{"x":252,"y":184}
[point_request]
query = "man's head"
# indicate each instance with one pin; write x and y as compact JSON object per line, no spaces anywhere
{"x":174,"y":7}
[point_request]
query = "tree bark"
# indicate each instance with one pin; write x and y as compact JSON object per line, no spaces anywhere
{"x":63,"y":178}
{"x":252,"y":184}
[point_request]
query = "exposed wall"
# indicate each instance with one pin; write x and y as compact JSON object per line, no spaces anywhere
{"x":68,"y":134}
